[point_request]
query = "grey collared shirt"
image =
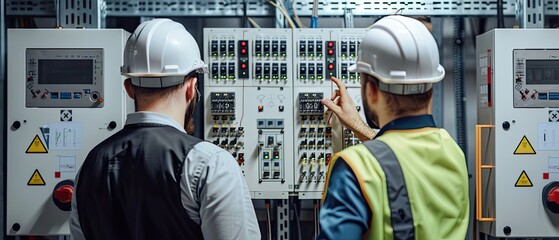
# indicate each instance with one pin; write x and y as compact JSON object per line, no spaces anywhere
{"x":213,"y":190}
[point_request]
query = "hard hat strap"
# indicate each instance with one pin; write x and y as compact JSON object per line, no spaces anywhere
{"x":157,"y":82}
{"x":405,"y":89}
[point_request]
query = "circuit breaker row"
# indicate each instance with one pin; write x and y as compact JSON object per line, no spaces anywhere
{"x":262,"y":48}
{"x":281,"y":57}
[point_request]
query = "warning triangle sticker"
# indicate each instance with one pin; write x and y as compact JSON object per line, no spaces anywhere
{"x":36,"y":146}
{"x":523,"y":180}
{"x":524,"y":147}
{"x":36,"y":179}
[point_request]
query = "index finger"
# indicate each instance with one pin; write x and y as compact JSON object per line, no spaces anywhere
{"x":341,"y":86}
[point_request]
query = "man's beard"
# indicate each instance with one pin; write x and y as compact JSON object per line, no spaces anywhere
{"x":189,"y":118}
{"x":370,"y":116}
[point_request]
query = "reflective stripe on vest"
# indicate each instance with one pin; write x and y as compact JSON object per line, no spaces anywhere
{"x":400,"y":210}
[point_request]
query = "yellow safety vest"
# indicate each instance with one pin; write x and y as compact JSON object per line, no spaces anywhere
{"x":430,"y":201}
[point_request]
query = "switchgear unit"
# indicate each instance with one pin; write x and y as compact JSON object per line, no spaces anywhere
{"x":517,"y":150}
{"x":66,"y":96}
{"x":265,"y":87}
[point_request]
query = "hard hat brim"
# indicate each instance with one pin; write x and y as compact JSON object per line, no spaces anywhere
{"x":361,"y":67}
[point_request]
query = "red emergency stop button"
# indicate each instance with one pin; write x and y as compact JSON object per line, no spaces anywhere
{"x":64,"y":193}
{"x":550,"y":197}
{"x":553,"y":195}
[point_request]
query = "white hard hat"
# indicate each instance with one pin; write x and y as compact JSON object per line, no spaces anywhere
{"x":160,"y":53}
{"x":402,"y":54}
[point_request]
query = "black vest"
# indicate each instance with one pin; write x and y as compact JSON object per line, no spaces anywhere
{"x":129,"y":186}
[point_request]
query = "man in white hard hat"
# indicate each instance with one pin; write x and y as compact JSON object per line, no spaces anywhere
{"x":410,"y":181}
{"x":152,"y":180}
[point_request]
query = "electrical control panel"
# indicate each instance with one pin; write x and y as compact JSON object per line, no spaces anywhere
{"x":66,"y":96}
{"x":517,"y":177}
{"x":265,"y":87}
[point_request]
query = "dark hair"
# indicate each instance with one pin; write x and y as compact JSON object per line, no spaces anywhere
{"x":403,"y":104}
{"x":162,"y":92}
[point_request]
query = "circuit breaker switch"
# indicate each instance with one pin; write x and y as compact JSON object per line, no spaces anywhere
{"x":304,"y":158}
{"x":303,"y":144}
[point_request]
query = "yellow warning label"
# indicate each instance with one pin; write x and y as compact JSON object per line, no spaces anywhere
{"x":36,"y":146}
{"x":524,"y":147}
{"x":523,"y":180}
{"x":36,"y":179}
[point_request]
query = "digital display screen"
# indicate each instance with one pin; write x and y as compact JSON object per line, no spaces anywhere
{"x":542,"y":72}
{"x":55,"y":71}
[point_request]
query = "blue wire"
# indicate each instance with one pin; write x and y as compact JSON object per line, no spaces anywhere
{"x":314,"y":22}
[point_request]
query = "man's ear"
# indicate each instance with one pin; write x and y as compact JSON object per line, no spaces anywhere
{"x":372,"y":91}
{"x":128,"y":88}
{"x":191,"y":89}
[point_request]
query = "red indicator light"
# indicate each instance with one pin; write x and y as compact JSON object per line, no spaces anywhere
{"x":330,"y":66}
{"x":243,"y":65}
{"x":330,"y":51}
{"x":243,"y":44}
{"x":330,"y":44}
{"x":243,"y":51}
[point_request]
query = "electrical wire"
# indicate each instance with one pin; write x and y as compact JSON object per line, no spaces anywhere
{"x":315,"y":206}
{"x":253,"y":22}
{"x":245,"y":16}
{"x":269,"y":219}
{"x":314,"y":16}
{"x":474,"y":32}
{"x":298,"y":220}
{"x":318,"y":206}
{"x":243,"y":101}
{"x":296,"y":16}
{"x":283,"y":12}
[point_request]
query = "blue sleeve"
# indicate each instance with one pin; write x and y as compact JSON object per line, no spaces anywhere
{"x":344,"y":214}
